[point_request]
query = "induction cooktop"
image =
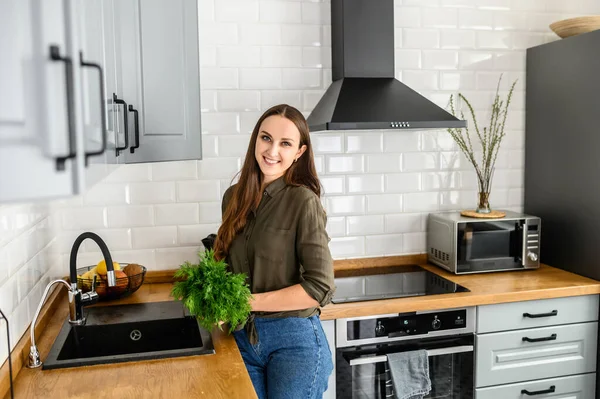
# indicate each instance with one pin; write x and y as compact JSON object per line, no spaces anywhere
{"x":405,"y":281}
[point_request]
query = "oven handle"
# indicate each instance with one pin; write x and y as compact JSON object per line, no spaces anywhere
{"x":430,"y":352}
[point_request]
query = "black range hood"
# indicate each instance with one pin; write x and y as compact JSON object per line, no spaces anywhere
{"x":364,"y":93}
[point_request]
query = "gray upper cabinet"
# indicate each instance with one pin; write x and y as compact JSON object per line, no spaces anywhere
{"x":161,"y":80}
{"x":38,"y":125}
{"x":87,"y":84}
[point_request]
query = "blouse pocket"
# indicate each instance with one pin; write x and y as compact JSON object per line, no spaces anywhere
{"x":275,"y":244}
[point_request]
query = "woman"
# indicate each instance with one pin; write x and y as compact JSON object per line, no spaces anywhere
{"x":273,"y":230}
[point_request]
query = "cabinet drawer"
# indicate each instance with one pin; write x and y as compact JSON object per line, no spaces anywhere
{"x":540,"y":313}
{"x":574,"y":387}
{"x":535,"y":353}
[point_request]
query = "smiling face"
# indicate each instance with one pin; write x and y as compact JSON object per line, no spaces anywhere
{"x":277,"y":146}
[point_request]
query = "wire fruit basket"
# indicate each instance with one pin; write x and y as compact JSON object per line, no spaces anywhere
{"x":128,"y":280}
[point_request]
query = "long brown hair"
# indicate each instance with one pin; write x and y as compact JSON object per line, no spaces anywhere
{"x":246,"y":193}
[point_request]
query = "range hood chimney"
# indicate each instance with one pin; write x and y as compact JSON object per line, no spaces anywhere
{"x":364,"y":93}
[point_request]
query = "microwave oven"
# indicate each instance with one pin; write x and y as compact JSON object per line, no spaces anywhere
{"x":464,"y":245}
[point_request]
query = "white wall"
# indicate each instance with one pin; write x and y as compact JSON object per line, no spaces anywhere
{"x":379,"y":185}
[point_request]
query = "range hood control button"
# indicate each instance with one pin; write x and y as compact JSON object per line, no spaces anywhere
{"x":436,"y":323}
{"x":532,"y":256}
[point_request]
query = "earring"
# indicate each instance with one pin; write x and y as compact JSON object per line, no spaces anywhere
{"x":295,"y":160}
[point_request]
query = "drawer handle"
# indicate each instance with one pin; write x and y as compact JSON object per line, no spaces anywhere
{"x":550,"y":338}
{"x":549,"y":390}
{"x":535,"y":316}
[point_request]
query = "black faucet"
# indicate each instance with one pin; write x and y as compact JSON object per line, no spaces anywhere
{"x":77,"y":299}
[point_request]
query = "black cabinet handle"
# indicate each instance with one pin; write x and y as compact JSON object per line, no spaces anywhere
{"x":116,"y":100}
{"x":538,"y":315}
{"x":102,"y":106}
{"x":550,"y":338}
{"x":136,"y":124}
{"x":549,"y":390}
{"x":55,"y":56}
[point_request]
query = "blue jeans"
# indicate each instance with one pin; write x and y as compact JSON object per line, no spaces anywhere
{"x":292,"y":359}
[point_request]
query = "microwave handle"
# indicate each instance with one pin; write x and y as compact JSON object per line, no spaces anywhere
{"x":431,"y":352}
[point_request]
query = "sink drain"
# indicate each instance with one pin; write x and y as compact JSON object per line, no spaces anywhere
{"x":135,"y":335}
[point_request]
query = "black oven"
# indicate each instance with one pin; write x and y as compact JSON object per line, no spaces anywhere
{"x":363,"y":343}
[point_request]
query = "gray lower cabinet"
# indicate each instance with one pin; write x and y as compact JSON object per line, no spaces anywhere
{"x":546,"y":348}
{"x":573,"y":387}
{"x":329,"y":328}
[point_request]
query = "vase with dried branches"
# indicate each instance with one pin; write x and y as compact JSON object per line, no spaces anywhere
{"x":489,"y":138}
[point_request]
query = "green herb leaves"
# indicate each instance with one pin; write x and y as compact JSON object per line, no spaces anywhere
{"x":212,"y":293}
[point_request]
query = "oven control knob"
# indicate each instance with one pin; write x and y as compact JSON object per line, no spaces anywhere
{"x":379,"y":329}
{"x":436,"y":323}
{"x":532,"y":256}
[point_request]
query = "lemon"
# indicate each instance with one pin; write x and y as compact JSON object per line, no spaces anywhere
{"x":101,"y":267}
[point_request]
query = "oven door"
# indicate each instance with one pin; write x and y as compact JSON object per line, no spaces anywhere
{"x":363,"y":372}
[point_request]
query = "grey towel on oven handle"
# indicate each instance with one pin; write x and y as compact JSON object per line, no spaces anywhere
{"x":410,"y":374}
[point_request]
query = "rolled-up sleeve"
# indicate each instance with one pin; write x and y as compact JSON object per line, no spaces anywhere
{"x":312,"y":247}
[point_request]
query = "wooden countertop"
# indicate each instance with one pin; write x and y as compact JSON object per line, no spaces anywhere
{"x":224,"y":376}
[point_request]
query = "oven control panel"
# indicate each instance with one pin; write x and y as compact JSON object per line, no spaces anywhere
{"x":406,"y":324}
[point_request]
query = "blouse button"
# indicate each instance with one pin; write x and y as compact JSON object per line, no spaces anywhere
{"x":265,"y":193}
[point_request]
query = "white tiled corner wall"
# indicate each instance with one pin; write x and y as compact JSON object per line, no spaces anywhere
{"x":379,"y":185}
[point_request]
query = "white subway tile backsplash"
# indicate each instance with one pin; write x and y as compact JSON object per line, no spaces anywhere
{"x":130,"y":216}
{"x":154,"y":237}
{"x":457,"y":80}
{"x":333,"y":184}
{"x":378,"y":163}
{"x":311,"y":98}
{"x":341,"y":247}
{"x":407,"y":59}
{"x":403,"y":222}
{"x":420,"y":38}
{"x":515,"y":197}
{"x":384,"y":203}
{"x":363,"y":225}
{"x":178,"y":170}
{"x":475,"y":19}
{"x":176,"y":214}
{"x":316,"y":13}
{"x":327,"y":143}
{"x":316,"y":57}
{"x":510,"y":61}
{"x":301,"y":78}
{"x":402,"y":182}
{"x":421,"y":202}
{"x":210,"y":212}
{"x":418,"y":161}
{"x":152,"y":193}
{"x":223,"y":33}
{"x":236,"y":10}
{"x":510,"y":20}
{"x":115,"y":240}
{"x":206,"y":10}
{"x":364,"y":143}
{"x":389,"y":244}
{"x":270,"y":98}
{"x":344,"y":163}
{"x":301,"y":35}
{"x":421,"y":80}
{"x":130,"y":173}
{"x":336,"y":226}
{"x":494,"y":40}
{"x":401,"y":141}
{"x":260,"y":78}
{"x":407,"y":17}
{"x":172,"y":258}
{"x":365,"y":184}
{"x":457,"y":39}
{"x":219,"y":78}
{"x":233,"y":146}
{"x":84,"y":218}
{"x":440,"y":18}
{"x":414,"y":243}
{"x":345,"y":205}
{"x":219,"y":123}
{"x":455,"y":200}
{"x":198,"y":191}
{"x":193,"y":234}
{"x":260,"y":34}
{"x":238,"y":56}
{"x":280,"y":12}
{"x":440,"y":181}
{"x":475,"y":60}
{"x":247,"y":100}
{"x":281,"y":56}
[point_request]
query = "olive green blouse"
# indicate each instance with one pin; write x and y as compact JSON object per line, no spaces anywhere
{"x":284,"y":243}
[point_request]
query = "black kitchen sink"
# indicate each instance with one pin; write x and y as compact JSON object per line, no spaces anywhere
{"x":124,"y":333}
